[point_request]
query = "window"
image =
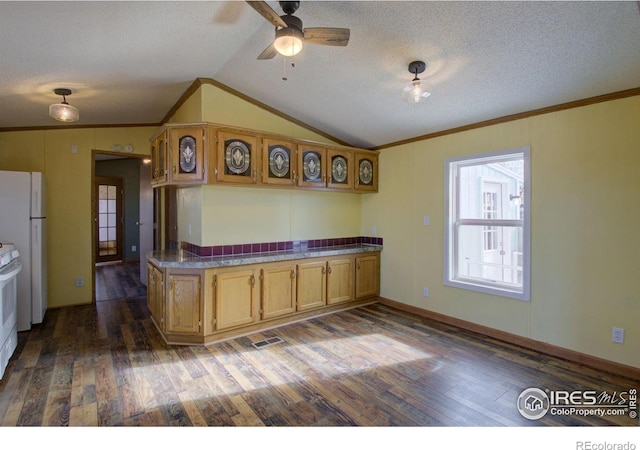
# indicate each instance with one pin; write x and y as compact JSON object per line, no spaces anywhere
{"x":487,"y":223}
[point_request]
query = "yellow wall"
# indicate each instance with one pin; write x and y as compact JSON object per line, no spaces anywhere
{"x":238,"y":215}
{"x":585,"y":243}
{"x":219,"y":106}
{"x":219,"y":215}
{"x":68,"y":178}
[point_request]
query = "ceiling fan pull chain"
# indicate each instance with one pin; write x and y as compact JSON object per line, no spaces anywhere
{"x":284,"y":68}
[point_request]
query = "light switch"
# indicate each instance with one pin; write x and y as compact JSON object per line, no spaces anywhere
{"x":425,"y":220}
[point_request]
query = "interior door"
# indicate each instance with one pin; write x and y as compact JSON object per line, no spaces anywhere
{"x":145,"y":221}
{"x":109,"y":236}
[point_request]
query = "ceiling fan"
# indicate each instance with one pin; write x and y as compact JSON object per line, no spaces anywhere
{"x":290,"y":35}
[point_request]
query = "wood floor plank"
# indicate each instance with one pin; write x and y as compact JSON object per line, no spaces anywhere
{"x":106,"y":365}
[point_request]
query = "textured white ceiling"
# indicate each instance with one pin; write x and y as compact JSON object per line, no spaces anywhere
{"x":129,"y":62}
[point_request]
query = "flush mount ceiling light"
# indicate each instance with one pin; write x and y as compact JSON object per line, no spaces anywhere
{"x":63,"y":111}
{"x":415,"y":91}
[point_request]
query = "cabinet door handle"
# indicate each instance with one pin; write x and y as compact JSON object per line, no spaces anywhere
{"x":293,"y":274}
{"x":253,"y":280}
{"x":329,"y":269}
{"x":358,"y":265}
{"x":324,"y":270}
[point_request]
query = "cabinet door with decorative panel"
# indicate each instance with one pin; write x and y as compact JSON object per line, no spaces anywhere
{"x":235,"y":297}
{"x":278,"y":162}
{"x":278,"y":290}
{"x":312,"y":285}
{"x":340,"y":279}
{"x":183,"y":304}
{"x":366,"y":171}
{"x":367,"y":276}
{"x":311,"y":166}
{"x":187,"y":154}
{"x":339,"y":170}
{"x":237,"y":157}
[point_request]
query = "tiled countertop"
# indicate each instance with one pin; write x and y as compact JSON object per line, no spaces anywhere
{"x":180,"y":259}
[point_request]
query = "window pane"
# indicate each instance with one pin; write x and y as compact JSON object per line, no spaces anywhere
{"x":501,"y":264}
{"x":111,"y":206}
{"x":490,"y":190}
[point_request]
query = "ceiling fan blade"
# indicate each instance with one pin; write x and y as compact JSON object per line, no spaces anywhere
{"x":268,"y":13}
{"x":327,"y":36}
{"x":268,"y":53}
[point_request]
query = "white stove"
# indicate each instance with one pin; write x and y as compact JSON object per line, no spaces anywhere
{"x":9,"y":268}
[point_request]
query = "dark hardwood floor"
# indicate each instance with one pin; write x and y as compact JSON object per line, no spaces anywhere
{"x":105,"y":365}
{"x":119,"y":280}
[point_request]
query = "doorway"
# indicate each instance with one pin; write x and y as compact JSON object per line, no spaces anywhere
{"x":108,"y":234}
{"x":121,"y":273}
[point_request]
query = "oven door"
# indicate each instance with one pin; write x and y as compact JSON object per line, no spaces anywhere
{"x":8,"y":298}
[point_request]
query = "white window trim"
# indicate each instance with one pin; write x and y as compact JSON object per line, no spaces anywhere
{"x":526,"y":226}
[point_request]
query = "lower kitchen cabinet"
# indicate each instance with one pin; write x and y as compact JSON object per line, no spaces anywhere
{"x":340,"y":280}
{"x":155,"y":294}
{"x":367,"y":276}
{"x":200,"y":306}
{"x":312,"y":285}
{"x":278,"y":290}
{"x":183,"y":304}
{"x":235,"y":297}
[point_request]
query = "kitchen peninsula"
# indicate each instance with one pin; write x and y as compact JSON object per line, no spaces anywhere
{"x":204,"y":299}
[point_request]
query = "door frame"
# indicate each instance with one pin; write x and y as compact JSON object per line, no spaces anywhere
{"x":92,"y":217}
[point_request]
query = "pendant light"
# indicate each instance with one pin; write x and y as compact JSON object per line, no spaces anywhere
{"x":415,"y":91}
{"x":63,"y":111}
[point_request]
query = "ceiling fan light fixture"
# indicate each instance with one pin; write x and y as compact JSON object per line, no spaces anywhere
{"x":288,"y":41}
{"x":63,"y":111}
{"x":416,"y":91}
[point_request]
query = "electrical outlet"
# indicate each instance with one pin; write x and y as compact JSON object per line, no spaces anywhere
{"x":425,"y":291}
{"x":617,"y":335}
{"x":79,"y":281}
{"x":134,"y":248}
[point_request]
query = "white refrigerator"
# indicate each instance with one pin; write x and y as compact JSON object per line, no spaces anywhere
{"x":23,"y":223}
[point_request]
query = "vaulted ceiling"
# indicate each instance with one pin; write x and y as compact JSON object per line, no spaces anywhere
{"x":130,"y":62}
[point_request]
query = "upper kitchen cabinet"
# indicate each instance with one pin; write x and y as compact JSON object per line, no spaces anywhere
{"x":278,"y":162}
{"x":339,"y":169}
{"x":188,"y":154}
{"x":159,"y":158}
{"x":237,"y":157}
{"x":311,"y":166}
{"x":207,"y":153}
{"x":179,"y":155}
{"x":365,"y":170}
